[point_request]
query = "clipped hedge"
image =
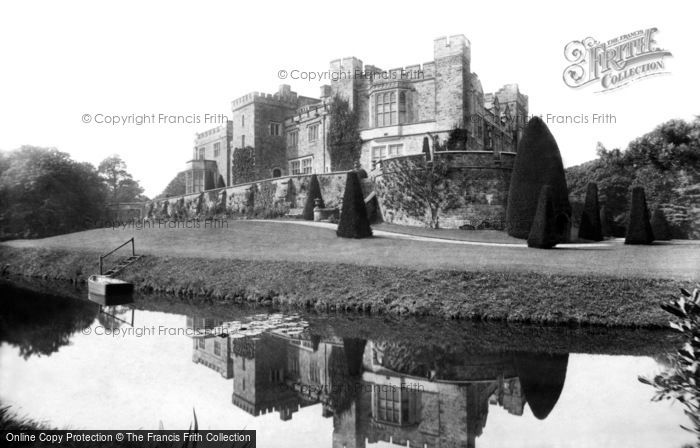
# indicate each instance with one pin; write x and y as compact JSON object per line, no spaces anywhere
{"x":639,"y":228}
{"x":543,"y":231}
{"x":314,"y":193}
{"x":538,"y":163}
{"x":591,"y":226}
{"x":659,"y":225}
{"x":353,"y":216}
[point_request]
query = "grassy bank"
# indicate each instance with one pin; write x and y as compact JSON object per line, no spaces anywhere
{"x":487,"y":295}
{"x":279,"y":241}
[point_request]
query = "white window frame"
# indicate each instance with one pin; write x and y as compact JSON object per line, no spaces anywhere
{"x":302,"y":165}
{"x":217,"y":149}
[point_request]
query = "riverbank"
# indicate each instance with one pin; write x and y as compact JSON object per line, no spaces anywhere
{"x":530,"y":297}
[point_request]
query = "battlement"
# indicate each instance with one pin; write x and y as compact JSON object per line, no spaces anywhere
{"x":451,"y":45}
{"x":349,"y":64}
{"x":306,"y":112}
{"x":416,"y":72}
{"x":284,"y":96}
{"x":511,"y":92}
{"x":217,"y":131}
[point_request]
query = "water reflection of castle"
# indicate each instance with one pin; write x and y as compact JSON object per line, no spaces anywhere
{"x":380,"y":391}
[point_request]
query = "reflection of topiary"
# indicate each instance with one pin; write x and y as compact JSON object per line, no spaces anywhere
{"x":313,"y":194}
{"x":659,"y":225}
{"x":537,"y":163}
{"x":591,"y":228}
{"x":353,"y":216}
{"x":639,"y":228}
{"x":542,"y":233}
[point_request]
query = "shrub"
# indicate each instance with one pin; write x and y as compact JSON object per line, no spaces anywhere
{"x":353,"y":216}
{"x":537,"y":163}
{"x":607,"y":224}
{"x":314,"y":193}
{"x":591,"y":227}
{"x":426,"y":148}
{"x":638,"y":227}
{"x":543,"y":233}
{"x":250,"y":201}
{"x":659,"y":225}
{"x":679,"y":380}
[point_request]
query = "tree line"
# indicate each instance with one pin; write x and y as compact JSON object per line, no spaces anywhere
{"x":665,"y":162}
{"x":44,"y":192}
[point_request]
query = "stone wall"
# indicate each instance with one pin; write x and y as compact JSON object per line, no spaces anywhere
{"x":268,"y":198}
{"x":478,"y":182}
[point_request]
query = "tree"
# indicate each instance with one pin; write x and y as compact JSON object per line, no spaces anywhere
{"x":537,"y":163}
{"x":543,"y":232}
{"x":344,"y":142}
{"x":44,"y":192}
{"x":591,"y":228}
{"x":176,"y":187}
{"x":639,"y":228}
{"x":659,"y":225}
{"x":457,"y":139}
{"x":314,"y":193}
{"x":353,"y":216}
{"x":120,"y":184}
{"x":420,"y":188}
{"x":665,"y":161}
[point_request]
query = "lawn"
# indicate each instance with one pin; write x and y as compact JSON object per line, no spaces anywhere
{"x":279,"y":241}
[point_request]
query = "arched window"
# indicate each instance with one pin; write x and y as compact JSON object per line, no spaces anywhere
{"x":277,"y":172}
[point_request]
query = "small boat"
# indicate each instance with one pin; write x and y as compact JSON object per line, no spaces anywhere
{"x":109,"y":291}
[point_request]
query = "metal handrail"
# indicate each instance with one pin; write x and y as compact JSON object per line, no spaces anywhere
{"x":133,"y":251}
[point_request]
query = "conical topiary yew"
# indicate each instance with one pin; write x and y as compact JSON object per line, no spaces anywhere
{"x":314,"y":193}
{"x":606,"y":222}
{"x":543,"y":233}
{"x":537,"y":163}
{"x":639,"y":228}
{"x":591,"y":228}
{"x":353,"y":216}
{"x":659,"y":225}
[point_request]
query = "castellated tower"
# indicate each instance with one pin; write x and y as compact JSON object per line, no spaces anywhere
{"x":348,"y":74}
{"x":452,"y":72}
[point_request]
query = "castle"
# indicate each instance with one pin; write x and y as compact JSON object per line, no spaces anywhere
{"x":399,"y":393}
{"x":402,"y":112}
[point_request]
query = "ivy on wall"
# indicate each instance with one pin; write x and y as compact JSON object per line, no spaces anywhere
{"x":420,"y":188}
{"x":344,"y":142}
{"x":243,"y":165}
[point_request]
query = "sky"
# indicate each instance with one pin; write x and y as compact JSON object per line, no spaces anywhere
{"x":62,"y":60}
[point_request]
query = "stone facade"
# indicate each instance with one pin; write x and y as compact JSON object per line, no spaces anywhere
{"x":211,"y":160}
{"x":397,"y":109}
{"x":401,"y":112}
